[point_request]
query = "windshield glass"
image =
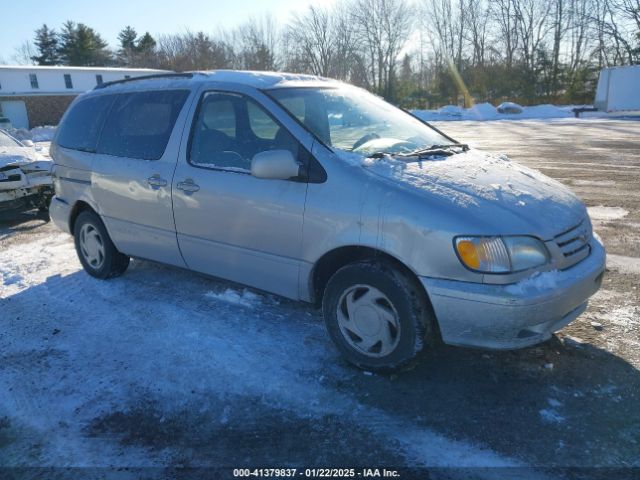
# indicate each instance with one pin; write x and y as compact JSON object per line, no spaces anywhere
{"x":353,"y":120}
{"x":7,"y":141}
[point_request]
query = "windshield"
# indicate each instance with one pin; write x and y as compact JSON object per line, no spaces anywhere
{"x":7,"y":141}
{"x":351,"y":119}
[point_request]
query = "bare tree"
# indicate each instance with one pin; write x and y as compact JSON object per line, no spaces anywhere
{"x":23,"y":55}
{"x":192,"y":51}
{"x":255,"y":44}
{"x":382,"y":29}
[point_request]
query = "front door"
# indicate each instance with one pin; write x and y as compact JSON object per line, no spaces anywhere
{"x":230,"y":224}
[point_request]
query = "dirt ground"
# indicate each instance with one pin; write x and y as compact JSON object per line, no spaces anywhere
{"x":162,"y":368}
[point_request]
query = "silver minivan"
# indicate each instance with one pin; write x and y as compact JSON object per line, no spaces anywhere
{"x":321,"y":192}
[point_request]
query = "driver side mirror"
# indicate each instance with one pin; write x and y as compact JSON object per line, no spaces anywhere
{"x":28,"y":143}
{"x":275,"y":165}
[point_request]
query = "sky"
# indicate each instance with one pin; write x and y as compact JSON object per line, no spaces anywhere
{"x":21,"y":17}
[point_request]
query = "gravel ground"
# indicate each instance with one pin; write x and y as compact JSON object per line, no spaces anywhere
{"x":164,"y":368}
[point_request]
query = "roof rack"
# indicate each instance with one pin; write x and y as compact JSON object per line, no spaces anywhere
{"x":144,"y":77}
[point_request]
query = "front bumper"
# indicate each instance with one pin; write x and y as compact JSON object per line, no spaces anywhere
{"x":504,"y":317}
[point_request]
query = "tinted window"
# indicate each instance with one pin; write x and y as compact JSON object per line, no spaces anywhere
{"x":67,"y":81}
{"x":139,"y":124}
{"x":231,"y":129}
{"x":99,"y":80}
{"x":82,"y":125}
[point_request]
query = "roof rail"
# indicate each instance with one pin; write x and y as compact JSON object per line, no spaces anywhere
{"x":144,"y":77}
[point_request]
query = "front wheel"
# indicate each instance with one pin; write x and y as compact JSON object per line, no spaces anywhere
{"x":96,"y":251}
{"x":377,"y":315}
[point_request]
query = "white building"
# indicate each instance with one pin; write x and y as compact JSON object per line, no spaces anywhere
{"x":32,"y":96}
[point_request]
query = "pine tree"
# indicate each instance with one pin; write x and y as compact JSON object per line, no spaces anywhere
{"x":127,"y":38}
{"x":80,"y":45}
{"x":46,"y":41}
{"x":146,"y":44}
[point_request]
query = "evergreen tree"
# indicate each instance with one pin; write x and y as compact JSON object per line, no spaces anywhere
{"x":80,"y":45}
{"x":46,"y":41}
{"x":146,"y":43}
{"x":126,"y":52}
{"x":127,"y":38}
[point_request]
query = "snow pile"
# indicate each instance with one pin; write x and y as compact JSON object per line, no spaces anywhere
{"x":604,"y":214}
{"x":486,"y":111}
{"x":245,"y":298}
{"x":509,"y":107}
{"x":536,"y":282}
{"x":36,"y":134}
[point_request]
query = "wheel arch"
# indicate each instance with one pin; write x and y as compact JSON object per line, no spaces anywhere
{"x":333,"y":260}
{"x":79,"y":207}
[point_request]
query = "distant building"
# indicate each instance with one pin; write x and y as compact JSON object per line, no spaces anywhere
{"x":31,"y":96}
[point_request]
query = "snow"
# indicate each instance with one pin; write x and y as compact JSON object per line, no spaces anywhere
{"x":549,"y":415}
{"x":601,"y":213}
{"x":245,"y":298}
{"x":486,"y":111}
{"x":263,"y":79}
{"x":594,"y":183}
{"x":473,"y":178}
{"x":157,"y":334}
{"x":536,"y":282}
{"x":36,"y":134}
{"x":624,"y":264}
{"x":510,"y":108}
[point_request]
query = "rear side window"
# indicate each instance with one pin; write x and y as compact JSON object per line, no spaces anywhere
{"x":82,"y":125}
{"x":140,"y":124}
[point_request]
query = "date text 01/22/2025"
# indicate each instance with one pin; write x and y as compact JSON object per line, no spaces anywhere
{"x":316,"y":472}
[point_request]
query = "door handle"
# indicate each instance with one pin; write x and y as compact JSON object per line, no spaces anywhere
{"x":156,"y":182}
{"x":187,"y":186}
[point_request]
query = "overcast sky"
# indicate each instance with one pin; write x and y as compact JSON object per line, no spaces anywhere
{"x":21,"y":17}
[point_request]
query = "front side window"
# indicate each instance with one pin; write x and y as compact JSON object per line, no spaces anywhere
{"x":139,"y":124}
{"x":99,"y":80}
{"x":82,"y":125}
{"x":351,"y":119}
{"x":67,"y":81}
{"x":34,"y":80}
{"x":230,"y":129}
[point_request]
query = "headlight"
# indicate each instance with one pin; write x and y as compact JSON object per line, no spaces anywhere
{"x":501,"y":254}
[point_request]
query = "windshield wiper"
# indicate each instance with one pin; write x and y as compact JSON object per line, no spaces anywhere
{"x":436,"y":150}
{"x":421,"y":152}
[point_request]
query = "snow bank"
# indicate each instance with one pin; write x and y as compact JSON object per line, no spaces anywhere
{"x":36,"y":134}
{"x":486,"y":111}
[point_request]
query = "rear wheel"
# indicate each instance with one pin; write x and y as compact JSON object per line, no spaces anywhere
{"x":376,"y":315}
{"x":96,"y":251}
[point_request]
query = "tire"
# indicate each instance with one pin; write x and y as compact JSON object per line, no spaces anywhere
{"x":97,"y":254}
{"x":377,"y":316}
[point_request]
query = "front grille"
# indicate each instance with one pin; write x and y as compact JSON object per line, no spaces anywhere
{"x":575,"y":241}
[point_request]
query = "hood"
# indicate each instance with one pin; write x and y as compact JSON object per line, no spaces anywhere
{"x":22,"y":157}
{"x":488,"y":190}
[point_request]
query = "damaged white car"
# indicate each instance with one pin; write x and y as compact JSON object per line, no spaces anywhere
{"x":25,"y":176}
